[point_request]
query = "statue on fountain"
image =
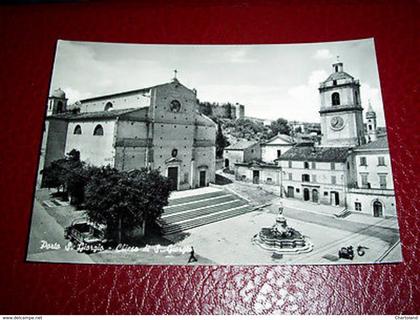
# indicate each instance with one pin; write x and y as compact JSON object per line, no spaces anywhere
{"x":281,"y":238}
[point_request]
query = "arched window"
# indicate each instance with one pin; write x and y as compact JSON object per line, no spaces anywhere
{"x":335,"y":99}
{"x":99,"y":131}
{"x":77,"y":130}
{"x":108,"y":106}
{"x":356,"y":96}
{"x":306,"y":165}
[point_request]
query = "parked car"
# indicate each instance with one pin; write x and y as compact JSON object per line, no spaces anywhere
{"x":346,"y":253}
{"x":86,"y":235}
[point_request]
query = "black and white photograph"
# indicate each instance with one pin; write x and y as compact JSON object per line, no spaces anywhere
{"x":214,"y":155}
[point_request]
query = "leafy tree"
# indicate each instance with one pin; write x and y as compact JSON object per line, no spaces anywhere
{"x":67,"y":174}
{"x":125,"y":200}
{"x":280,"y":126}
{"x":221,"y":141}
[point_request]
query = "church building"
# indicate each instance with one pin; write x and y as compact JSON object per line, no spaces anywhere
{"x":158,"y":127}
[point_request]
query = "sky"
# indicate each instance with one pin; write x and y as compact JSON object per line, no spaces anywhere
{"x":272,"y":81}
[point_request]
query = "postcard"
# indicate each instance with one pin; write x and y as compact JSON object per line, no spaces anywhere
{"x":215,"y":155}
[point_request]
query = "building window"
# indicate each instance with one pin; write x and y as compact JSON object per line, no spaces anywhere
{"x":358,"y":206}
{"x":278,"y":153}
{"x":364,"y":177}
{"x":290,"y":164}
{"x":325,"y":193}
{"x":269,"y":180}
{"x":306,"y":165}
{"x":335,"y":99}
{"x":77,"y":130}
{"x":314,"y":178}
{"x":333,"y":180}
{"x":363,"y":161}
{"x":297,"y":190}
{"x":108,"y":106}
{"x":290,"y":176}
{"x":332,"y":165}
{"x":381,"y":161}
{"x":334,"y":82}
{"x":382,"y":181}
{"x":313,"y":165}
{"x":305,"y":178}
{"x":99,"y":131}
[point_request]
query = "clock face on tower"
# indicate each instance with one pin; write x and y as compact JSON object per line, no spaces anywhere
{"x":337,"y":123}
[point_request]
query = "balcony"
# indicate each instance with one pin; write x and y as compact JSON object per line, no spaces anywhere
{"x":372,"y":191}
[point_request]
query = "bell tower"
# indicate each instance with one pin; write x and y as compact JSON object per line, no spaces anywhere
{"x":371,"y":124}
{"x":57,"y":102}
{"x":341,"y":110}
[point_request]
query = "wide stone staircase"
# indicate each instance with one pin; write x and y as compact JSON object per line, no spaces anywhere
{"x":189,"y":212}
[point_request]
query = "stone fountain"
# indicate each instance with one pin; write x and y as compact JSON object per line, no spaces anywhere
{"x":282,"y":239}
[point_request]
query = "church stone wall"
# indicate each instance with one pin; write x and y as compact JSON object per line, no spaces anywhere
{"x":175,"y":133}
{"x":95,"y":150}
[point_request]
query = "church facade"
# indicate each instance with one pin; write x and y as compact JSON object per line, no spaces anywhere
{"x":158,"y":127}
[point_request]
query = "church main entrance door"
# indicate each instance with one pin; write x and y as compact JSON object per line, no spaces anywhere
{"x":173,"y":177}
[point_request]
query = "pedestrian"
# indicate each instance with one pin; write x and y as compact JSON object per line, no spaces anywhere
{"x":192,"y":256}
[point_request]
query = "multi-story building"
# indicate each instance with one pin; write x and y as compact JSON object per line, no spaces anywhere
{"x":372,"y":192}
{"x":315,"y":174}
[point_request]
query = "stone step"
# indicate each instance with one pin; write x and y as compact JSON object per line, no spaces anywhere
{"x":207,"y":219}
{"x":186,"y":215}
{"x":188,"y":199}
{"x":197,"y":204}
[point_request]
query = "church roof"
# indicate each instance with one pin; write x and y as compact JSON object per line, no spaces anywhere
{"x":284,"y":139}
{"x":110,"y":114}
{"x":242,"y":145}
{"x":317,"y":154}
{"x":124,"y":93}
{"x":380,"y":143}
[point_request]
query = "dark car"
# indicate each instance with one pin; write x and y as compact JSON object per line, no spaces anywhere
{"x":86,"y":236}
{"x":346,"y":253}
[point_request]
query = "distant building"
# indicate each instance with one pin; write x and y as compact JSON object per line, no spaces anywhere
{"x":225,"y":110}
{"x":273,"y":148}
{"x":265,"y":169}
{"x":261,"y":121}
{"x":258,"y":172}
{"x":242,"y":151}
{"x":157,"y":127}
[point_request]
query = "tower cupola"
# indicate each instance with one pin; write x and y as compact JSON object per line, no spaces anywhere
{"x":57,"y":102}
